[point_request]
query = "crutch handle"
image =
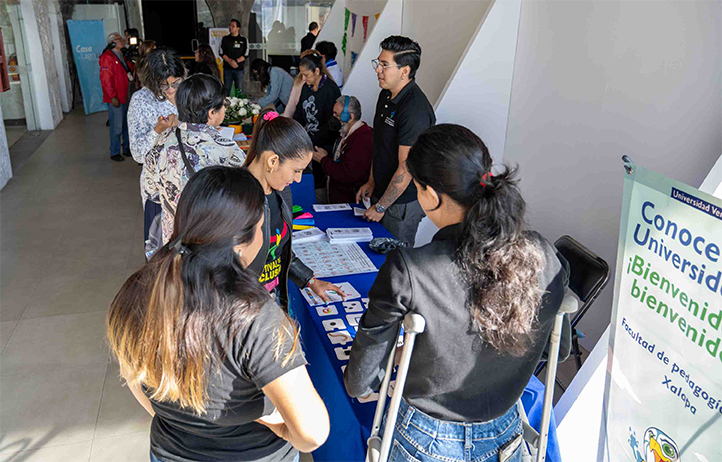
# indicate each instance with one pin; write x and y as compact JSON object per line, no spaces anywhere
{"x":414,"y":323}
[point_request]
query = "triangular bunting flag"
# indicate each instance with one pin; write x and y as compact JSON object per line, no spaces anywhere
{"x":377,"y":16}
{"x":353,"y":24}
{"x":343,"y":44}
{"x":365,"y":21}
{"x":345,"y":21}
{"x":354,"y":55}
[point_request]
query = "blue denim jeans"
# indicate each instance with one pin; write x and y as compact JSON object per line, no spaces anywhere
{"x":230,"y":76}
{"x":118,"y":117}
{"x":420,"y":437}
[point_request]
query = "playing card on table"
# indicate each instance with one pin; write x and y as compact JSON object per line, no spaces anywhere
{"x":333,"y":324}
{"x":326,"y":310}
{"x":353,"y":319}
{"x":343,"y":353}
{"x":330,"y":207}
{"x":353,"y":307}
{"x":340,"y":337}
{"x":359,"y":212}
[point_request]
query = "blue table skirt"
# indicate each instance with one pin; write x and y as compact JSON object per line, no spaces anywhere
{"x":351,"y":420}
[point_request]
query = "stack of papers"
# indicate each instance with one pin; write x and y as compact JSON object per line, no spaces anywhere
{"x":349,"y":235}
{"x":308,"y":235}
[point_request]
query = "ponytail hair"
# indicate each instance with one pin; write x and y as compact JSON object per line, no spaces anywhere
{"x":281,"y":135}
{"x":164,"y":324}
{"x":498,"y":259}
{"x":312,"y":60}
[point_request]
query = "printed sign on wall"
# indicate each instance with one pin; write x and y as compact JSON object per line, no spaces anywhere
{"x":664,"y":384}
{"x":88,"y":41}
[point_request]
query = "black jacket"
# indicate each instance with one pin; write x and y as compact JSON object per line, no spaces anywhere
{"x":291,"y":266}
{"x":454,"y":375}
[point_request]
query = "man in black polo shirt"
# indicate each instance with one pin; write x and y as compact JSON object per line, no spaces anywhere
{"x":402,"y":113}
{"x":233,"y":51}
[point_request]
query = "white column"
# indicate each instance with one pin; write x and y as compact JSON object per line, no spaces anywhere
{"x":6,"y":171}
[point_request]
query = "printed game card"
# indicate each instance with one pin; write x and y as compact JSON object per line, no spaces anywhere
{"x":330,"y":207}
{"x":315,"y":300}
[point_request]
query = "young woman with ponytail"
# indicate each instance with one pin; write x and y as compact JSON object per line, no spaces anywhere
{"x":489,"y":289}
{"x":201,"y":344}
{"x":280,"y":151}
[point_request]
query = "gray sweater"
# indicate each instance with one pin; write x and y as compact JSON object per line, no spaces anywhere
{"x":278,"y":89}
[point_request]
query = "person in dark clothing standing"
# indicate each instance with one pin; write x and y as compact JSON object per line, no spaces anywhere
{"x":402,"y":113}
{"x":349,"y":163}
{"x":233,"y":51}
{"x":310,"y":38}
{"x":488,"y":287}
{"x":315,"y":106}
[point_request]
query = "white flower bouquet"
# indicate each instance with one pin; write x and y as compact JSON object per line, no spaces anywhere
{"x":240,"y":109}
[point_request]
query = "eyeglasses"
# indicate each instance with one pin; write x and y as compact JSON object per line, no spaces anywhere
{"x":174,"y":85}
{"x":376,"y":63}
{"x":226,"y":103}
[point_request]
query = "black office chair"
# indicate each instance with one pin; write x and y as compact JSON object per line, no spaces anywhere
{"x":589,"y":274}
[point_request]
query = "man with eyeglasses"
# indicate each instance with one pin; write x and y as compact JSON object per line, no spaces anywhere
{"x":234,"y":52}
{"x":402,"y":113}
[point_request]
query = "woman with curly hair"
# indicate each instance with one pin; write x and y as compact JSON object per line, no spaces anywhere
{"x":489,"y":289}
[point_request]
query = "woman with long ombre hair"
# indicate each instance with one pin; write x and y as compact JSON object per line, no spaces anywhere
{"x":489,"y":289}
{"x":201,"y":344}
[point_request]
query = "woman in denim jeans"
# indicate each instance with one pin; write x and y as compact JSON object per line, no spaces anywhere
{"x":488,"y":287}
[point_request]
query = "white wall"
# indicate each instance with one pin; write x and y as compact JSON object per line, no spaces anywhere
{"x":362,"y":82}
{"x":113,"y":16}
{"x":332,"y":30}
{"x":478,"y":93}
{"x":594,"y":80}
{"x":443,"y":29}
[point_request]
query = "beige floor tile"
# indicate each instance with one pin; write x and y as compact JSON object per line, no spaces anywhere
{"x":77,"y":452}
{"x":73,"y":293}
{"x":50,"y":408}
{"x":6,"y":329}
{"x":120,"y":413}
{"x":56,"y":343}
{"x":133,"y":447}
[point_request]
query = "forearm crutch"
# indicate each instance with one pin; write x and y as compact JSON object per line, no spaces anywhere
{"x":538,"y":440}
{"x":378,"y":449}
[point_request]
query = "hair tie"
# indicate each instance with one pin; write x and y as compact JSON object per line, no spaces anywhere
{"x":485,"y":177}
{"x":178,"y":247}
{"x":270,"y":115}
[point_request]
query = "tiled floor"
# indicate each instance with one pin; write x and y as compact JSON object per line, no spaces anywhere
{"x":70,"y":220}
{"x":71,"y":226}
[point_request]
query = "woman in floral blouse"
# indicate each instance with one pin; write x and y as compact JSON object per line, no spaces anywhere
{"x":201,"y":108}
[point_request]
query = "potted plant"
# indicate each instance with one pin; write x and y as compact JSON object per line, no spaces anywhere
{"x":241,"y":112}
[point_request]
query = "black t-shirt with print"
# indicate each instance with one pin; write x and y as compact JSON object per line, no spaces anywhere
{"x":315,"y":108}
{"x":227,"y":431}
{"x":279,"y":238}
{"x":398,"y":122}
{"x":234,"y":48}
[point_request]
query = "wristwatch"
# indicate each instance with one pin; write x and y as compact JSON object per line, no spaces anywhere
{"x":380,"y":208}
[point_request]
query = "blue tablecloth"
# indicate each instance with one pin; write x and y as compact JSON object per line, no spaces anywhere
{"x":351,"y":419}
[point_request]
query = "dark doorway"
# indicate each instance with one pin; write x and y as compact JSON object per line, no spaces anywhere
{"x":171,"y":23}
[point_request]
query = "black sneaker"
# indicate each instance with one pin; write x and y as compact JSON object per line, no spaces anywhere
{"x":117,"y":158}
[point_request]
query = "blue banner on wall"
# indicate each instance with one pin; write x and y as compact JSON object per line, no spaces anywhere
{"x":88,"y":41}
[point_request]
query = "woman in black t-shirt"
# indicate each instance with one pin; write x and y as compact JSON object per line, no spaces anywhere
{"x":204,"y":348}
{"x":315,"y":106}
{"x":280,"y":151}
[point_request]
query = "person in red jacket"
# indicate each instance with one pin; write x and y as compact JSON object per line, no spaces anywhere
{"x":349,"y":165}
{"x":116,"y":73}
